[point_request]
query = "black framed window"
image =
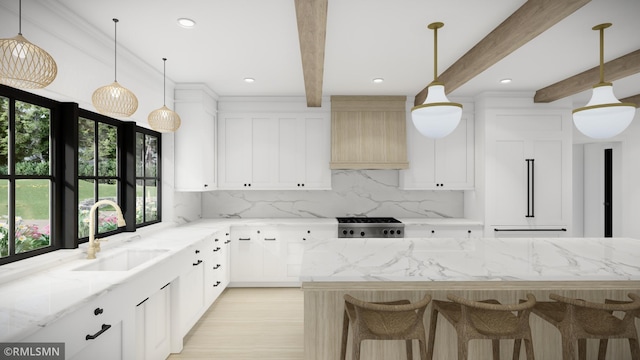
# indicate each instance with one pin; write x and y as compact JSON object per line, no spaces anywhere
{"x":56,"y":161}
{"x":27,"y":181}
{"x":148,"y":181}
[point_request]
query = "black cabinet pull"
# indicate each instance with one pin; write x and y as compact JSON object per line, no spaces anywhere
{"x":162,"y":288}
{"x":530,"y":188}
{"x":105,"y":327}
{"x":562,"y":229}
{"x":98,"y":311}
{"x":216,"y":240}
{"x":216,"y":267}
{"x":269,"y":239}
{"x":228,"y":241}
{"x":216,"y":284}
{"x":244,"y":239}
{"x":142,"y":302}
{"x":197,"y":263}
{"x":197,"y":251}
{"x":216,"y":249}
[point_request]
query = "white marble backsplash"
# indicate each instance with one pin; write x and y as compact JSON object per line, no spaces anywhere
{"x":371,"y":193}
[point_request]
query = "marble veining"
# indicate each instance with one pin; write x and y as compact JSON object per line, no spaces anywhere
{"x":354,"y":193}
{"x":485,"y":259}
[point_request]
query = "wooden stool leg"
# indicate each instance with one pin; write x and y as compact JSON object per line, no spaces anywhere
{"x":568,"y":348}
{"x":602,"y":349}
{"x":432,"y":333}
{"x":582,"y":349}
{"x":516,"y":349}
{"x":463,"y":349}
{"x":423,"y":349}
{"x":355,"y":354}
{"x":409,"y":349}
{"x":495,"y":345}
{"x":345,"y":334}
{"x":635,"y":349}
{"x":528,"y":347}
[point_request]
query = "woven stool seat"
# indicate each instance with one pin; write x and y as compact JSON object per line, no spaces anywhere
{"x":395,"y":320}
{"x":579,"y":320}
{"x":486,"y":319}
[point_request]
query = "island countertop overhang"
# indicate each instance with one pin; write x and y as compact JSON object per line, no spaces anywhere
{"x":485,"y":260}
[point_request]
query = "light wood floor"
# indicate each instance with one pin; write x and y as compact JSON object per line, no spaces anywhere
{"x":249,"y":323}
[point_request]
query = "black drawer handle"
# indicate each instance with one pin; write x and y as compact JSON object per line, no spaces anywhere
{"x":228,"y":241}
{"x":216,"y":249}
{"x":98,"y":311}
{"x":269,"y":239}
{"x":216,"y":284}
{"x":217,"y":266}
{"x":142,"y":302}
{"x":197,"y":263}
{"x":197,"y":251}
{"x":216,"y":240}
{"x":105,"y":327}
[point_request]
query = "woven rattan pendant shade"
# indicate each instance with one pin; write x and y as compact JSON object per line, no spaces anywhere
{"x":23,"y":64}
{"x":164,"y":119}
{"x":115,"y":100}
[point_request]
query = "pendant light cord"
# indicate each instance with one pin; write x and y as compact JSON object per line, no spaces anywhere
{"x":164,"y":84}
{"x":20,"y":17}
{"x":602,"y":55}
{"x":115,"y":50}
{"x":435,"y":55}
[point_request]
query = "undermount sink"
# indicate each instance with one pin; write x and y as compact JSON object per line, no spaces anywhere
{"x":122,"y":260}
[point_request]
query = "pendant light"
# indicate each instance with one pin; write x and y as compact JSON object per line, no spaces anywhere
{"x":114,"y":100}
{"x":164,"y":119}
{"x":604,"y":116}
{"x":437,"y":117}
{"x":23,"y":64}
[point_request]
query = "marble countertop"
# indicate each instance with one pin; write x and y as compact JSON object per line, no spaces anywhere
{"x":484,"y":259}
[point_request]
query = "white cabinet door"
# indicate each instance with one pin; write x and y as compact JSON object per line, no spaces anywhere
{"x":442,"y":164}
{"x":265,"y":147}
{"x":195,"y":141}
{"x":246,"y":255}
{"x":191,"y":289}
{"x":235,"y":153}
{"x":153,"y":326}
{"x":316,"y":142}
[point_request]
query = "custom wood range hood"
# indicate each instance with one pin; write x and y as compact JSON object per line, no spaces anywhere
{"x":368,"y":132}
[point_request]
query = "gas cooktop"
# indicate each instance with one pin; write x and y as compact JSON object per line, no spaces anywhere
{"x":372,"y":227}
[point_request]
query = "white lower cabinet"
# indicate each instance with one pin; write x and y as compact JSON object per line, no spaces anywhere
{"x":217,"y":266}
{"x":192,"y":301}
{"x":272,"y":256}
{"x":153,"y":325}
{"x":94,"y":331}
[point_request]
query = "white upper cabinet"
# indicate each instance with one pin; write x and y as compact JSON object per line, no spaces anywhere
{"x":195,"y":140}
{"x":274,"y":151}
{"x":442,"y":164}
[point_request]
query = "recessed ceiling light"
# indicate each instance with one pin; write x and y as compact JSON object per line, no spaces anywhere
{"x":378,"y":80}
{"x":249,"y":80}
{"x":505,"y":81}
{"x":186,"y":23}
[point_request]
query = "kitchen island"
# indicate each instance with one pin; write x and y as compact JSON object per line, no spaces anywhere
{"x":503,"y":269}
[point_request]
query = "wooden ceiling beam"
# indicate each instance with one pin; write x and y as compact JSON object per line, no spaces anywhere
{"x":632,"y":99}
{"x":529,"y":21}
{"x":619,"y":68}
{"x":312,"y":29}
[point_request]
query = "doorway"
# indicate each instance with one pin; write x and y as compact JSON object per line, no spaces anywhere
{"x":601,"y":179}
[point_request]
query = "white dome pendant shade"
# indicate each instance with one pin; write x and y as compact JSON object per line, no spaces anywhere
{"x":437,"y":117}
{"x":164,"y":120}
{"x":115,"y":100}
{"x":23,"y":64}
{"x":604,"y":116}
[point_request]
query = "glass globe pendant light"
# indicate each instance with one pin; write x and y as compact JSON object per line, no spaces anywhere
{"x":437,"y":117}
{"x":164,"y":119}
{"x":114,"y":100}
{"x":604,"y":116}
{"x":23,"y":64}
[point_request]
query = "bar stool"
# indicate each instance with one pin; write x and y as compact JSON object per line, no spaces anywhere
{"x":579,"y":320}
{"x":602,"y":349}
{"x":396,"y":320}
{"x":487,"y":319}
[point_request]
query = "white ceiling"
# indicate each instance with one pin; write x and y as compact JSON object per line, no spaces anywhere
{"x":234,"y":39}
